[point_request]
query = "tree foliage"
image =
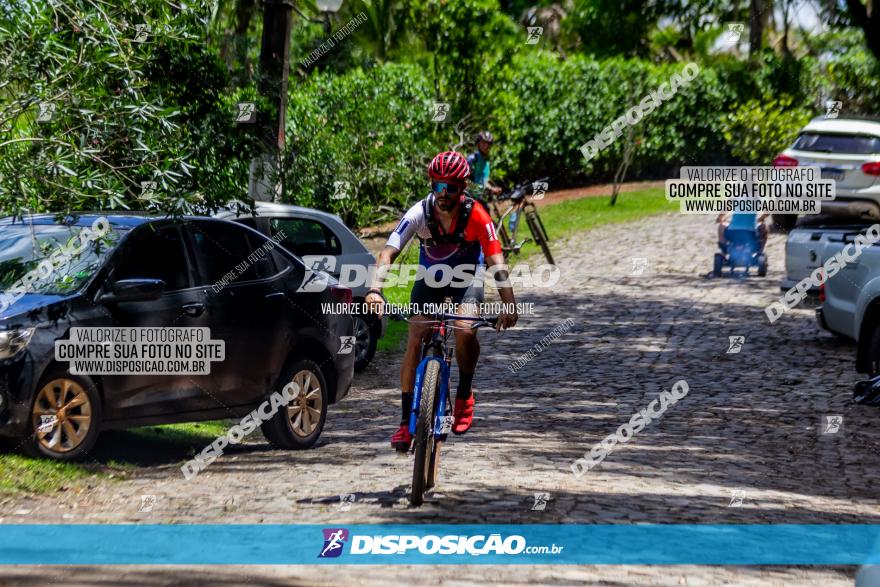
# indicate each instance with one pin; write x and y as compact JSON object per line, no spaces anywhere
{"x":758,"y":130}
{"x":113,"y":105}
{"x":96,"y":113}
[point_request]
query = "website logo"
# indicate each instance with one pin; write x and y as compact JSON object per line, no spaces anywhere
{"x":535,"y":33}
{"x":316,"y":276}
{"x":346,"y":345}
{"x":334,"y":540}
{"x":441,"y":110}
{"x":832,"y":424}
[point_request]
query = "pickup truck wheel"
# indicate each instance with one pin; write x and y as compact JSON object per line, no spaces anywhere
{"x":874,"y":352}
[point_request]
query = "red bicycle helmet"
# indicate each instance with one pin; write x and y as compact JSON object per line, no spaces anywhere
{"x":449,"y":166}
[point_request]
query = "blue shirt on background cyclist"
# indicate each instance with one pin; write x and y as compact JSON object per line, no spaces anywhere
{"x":480,"y":167}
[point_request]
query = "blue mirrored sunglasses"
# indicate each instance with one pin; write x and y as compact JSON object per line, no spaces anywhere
{"x":450,"y":188}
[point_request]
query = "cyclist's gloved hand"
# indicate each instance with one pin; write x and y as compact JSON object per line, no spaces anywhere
{"x":375,"y":303}
{"x":506,"y":320}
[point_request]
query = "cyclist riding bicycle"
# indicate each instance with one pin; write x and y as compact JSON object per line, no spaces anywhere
{"x":478,"y":161}
{"x":454,"y":230}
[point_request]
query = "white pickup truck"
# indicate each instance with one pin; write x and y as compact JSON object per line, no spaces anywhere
{"x":850,"y":299}
{"x":804,"y":249}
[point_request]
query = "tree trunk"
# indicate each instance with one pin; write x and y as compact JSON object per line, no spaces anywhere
{"x":867,"y":16}
{"x":757,"y":10}
{"x":786,"y":11}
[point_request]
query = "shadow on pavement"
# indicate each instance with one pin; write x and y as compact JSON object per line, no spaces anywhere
{"x":153,"y":576}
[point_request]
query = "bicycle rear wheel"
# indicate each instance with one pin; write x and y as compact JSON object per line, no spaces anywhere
{"x":424,"y":440}
{"x":536,"y":228}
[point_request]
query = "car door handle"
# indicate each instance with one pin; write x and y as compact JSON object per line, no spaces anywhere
{"x":277,"y":294}
{"x":195,"y":310}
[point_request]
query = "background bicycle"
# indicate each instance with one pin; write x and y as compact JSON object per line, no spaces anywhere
{"x":520,"y":205}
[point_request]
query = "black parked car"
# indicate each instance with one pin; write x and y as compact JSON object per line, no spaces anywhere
{"x":317,"y":237}
{"x":156,"y":272}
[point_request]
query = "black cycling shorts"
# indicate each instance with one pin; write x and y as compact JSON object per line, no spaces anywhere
{"x":423,"y":294}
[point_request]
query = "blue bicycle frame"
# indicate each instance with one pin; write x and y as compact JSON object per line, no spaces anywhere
{"x":442,"y":398}
{"x":417,"y":395}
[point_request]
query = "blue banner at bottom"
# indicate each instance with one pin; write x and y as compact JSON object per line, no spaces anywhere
{"x":566,"y":544}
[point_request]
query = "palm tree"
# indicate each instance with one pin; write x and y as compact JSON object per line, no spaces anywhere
{"x":381,"y":24}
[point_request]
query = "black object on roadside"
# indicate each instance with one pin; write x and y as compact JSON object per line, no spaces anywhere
{"x":868,"y":392}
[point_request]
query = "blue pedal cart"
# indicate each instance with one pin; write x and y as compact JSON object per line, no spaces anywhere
{"x":742,"y":250}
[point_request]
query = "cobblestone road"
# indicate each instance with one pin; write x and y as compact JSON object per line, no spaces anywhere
{"x":749,"y":430}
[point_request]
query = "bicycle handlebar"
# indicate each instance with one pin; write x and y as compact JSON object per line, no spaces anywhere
{"x":520,"y":191}
{"x":479,"y":321}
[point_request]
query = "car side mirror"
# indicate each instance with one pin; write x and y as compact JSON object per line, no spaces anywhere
{"x":134,"y":290}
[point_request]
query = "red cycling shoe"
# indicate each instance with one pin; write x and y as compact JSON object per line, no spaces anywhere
{"x":402,"y":439}
{"x":464,"y":415}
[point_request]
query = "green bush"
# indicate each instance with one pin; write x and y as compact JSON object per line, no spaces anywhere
{"x":371,"y":128}
{"x":547,"y":108}
{"x":854,"y":78}
{"x":846,"y":72}
{"x":613,"y":27}
{"x":467,"y":39}
{"x":758,"y":130}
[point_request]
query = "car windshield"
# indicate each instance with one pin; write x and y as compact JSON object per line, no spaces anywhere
{"x":837,"y":143}
{"x":49,"y":258}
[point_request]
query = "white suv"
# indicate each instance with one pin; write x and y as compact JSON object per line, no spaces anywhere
{"x":848,"y":151}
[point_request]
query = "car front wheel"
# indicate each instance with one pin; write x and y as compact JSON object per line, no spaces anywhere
{"x":65,"y":418}
{"x":366,"y":339}
{"x":298,"y":425}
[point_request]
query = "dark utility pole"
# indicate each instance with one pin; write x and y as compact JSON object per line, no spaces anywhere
{"x":274,"y":68}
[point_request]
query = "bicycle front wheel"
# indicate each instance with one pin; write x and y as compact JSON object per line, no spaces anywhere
{"x":538,"y":234}
{"x":424,"y":440}
{"x":539,"y":223}
{"x":506,"y":241}
{"x":434,"y":466}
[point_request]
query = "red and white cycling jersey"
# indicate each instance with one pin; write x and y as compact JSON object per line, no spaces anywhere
{"x":479,"y":234}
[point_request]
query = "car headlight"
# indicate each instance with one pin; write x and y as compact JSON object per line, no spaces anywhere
{"x":13,"y":342}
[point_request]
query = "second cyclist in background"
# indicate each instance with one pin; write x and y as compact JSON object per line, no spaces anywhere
{"x":480,"y":168}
